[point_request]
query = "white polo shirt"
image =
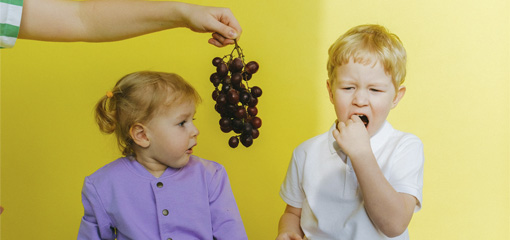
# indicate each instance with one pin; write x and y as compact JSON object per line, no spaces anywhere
{"x":320,"y":180}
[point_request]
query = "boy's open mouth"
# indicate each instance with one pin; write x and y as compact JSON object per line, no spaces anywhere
{"x":364,"y":119}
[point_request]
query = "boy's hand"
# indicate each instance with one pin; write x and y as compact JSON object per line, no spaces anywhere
{"x":352,"y":136}
{"x":289,"y":236}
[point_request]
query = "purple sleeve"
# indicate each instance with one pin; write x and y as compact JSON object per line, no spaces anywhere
{"x":95,"y":223}
{"x":226,"y":219}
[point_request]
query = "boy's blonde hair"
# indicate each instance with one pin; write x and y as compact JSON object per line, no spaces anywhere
{"x":136,"y":98}
{"x":366,"y":43}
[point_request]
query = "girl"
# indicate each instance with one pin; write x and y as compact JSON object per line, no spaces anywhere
{"x":159,"y":190}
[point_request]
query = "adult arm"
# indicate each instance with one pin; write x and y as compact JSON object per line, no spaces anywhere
{"x":112,"y":20}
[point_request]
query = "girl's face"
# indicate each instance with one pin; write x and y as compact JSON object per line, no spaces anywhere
{"x":172,"y":136}
{"x":363,"y":90}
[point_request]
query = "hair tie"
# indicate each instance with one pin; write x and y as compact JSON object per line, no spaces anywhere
{"x":109,"y":94}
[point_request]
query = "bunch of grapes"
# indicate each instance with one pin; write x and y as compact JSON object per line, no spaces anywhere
{"x":236,"y":101}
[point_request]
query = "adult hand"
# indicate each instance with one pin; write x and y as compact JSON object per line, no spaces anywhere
{"x":220,"y":21}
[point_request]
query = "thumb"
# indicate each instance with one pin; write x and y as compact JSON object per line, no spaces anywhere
{"x":225,"y":30}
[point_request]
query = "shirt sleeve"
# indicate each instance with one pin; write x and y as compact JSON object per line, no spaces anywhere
{"x":407,"y":176}
{"x":95,"y":223}
{"x":226,"y":219}
{"x":291,"y":190}
{"x":10,"y":19}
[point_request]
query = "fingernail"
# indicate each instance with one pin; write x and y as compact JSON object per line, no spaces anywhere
{"x":232,"y":35}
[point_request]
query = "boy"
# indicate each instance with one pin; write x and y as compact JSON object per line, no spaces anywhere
{"x":362,"y":179}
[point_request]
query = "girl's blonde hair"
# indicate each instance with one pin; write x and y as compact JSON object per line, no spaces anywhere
{"x":136,"y":98}
{"x":366,"y":43}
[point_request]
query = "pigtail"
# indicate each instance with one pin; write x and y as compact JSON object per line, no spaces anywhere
{"x":105,"y":113}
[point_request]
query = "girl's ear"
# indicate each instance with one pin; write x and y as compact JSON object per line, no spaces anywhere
{"x":400,"y":94}
{"x":138,"y":133}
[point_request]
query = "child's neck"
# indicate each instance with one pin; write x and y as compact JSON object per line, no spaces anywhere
{"x":153,"y":167}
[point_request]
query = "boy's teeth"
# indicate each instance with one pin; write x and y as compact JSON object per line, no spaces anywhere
{"x":364,"y":119}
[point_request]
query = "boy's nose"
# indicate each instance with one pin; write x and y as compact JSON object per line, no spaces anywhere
{"x":360,"y":98}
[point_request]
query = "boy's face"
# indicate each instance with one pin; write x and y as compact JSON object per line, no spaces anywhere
{"x":363,"y":90}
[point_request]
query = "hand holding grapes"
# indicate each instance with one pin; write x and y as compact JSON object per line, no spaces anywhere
{"x":352,"y":137}
{"x":220,"y":21}
{"x":236,"y":101}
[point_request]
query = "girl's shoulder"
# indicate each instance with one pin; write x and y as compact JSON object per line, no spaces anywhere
{"x":204,"y":164}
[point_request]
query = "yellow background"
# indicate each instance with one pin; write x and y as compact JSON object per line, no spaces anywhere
{"x":457,"y":102}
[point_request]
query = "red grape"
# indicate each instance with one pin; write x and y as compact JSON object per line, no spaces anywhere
{"x":252,"y":67}
{"x":256,"y":122}
{"x":233,"y":142}
{"x":256,"y":91}
{"x":216,"y":61}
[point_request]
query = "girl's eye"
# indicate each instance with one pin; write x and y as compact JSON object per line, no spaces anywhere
{"x":375,"y":90}
{"x":348,"y":88}
{"x":182,"y":123}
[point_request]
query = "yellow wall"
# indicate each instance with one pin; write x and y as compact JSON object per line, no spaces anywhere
{"x":457,"y":102}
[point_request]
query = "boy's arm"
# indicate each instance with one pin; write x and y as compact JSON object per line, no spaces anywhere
{"x":389,"y":210}
{"x":289,"y":227}
{"x":112,"y":20}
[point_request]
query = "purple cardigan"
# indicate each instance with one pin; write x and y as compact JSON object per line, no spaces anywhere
{"x":123,"y":200}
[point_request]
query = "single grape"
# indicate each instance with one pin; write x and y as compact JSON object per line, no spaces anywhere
{"x":231,"y":109}
{"x":247,"y":129}
{"x":219,"y":108}
{"x":226,"y":80}
{"x":252,"y":111}
{"x":226,"y":129}
{"x":237,"y":124}
{"x":246,"y":140}
{"x":225,"y":88}
{"x":240,"y":112}
{"x":255,"y":133}
{"x":256,"y":122}
{"x":215,"y":94}
{"x":236,"y":65}
{"x":246,"y":76}
{"x":253,"y":102}
{"x":233,"y":142}
{"x":225,"y":122}
{"x":252,"y":67}
{"x":256,"y":91}
{"x":216,"y":61}
{"x":222,"y":69}
{"x":244,"y":97}
{"x":236,"y":78}
{"x":213,"y":77}
{"x":233,"y":96}
{"x":221,"y":99}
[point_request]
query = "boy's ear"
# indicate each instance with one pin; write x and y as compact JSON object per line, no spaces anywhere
{"x":138,"y":133}
{"x":329,"y":91}
{"x":398,"y":96}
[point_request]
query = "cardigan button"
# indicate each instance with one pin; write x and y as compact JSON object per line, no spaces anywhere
{"x":159,"y":184}
{"x":165,"y":212}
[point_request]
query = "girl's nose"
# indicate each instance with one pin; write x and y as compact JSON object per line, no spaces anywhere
{"x":194,"y":131}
